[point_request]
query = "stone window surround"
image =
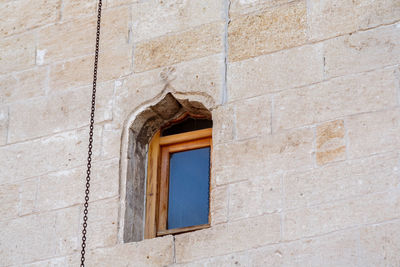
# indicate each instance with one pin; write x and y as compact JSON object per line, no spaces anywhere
{"x":140,"y":126}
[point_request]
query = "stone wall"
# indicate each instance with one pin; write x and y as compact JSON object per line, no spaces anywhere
{"x":305,"y":99}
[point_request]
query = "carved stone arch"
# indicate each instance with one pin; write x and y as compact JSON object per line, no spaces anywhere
{"x":140,"y":128}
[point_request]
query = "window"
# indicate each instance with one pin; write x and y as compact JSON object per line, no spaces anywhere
{"x":178,"y":178}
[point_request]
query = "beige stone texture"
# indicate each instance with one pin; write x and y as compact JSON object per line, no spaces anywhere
{"x":152,"y":252}
{"x":114,"y":3}
{"x":240,"y":7}
{"x":167,"y":50}
{"x":63,"y":189}
{"x":40,"y":156}
{"x":332,"y":18}
{"x":173,"y":16}
{"x":253,"y":117}
{"x":27,"y":196}
{"x":373,"y":133}
{"x":223,"y":124}
{"x":266,"y":154}
{"x":362,"y":51}
{"x":72,"y":9}
{"x":331,"y":143}
{"x":17,"y":52}
{"x":341,"y":181}
{"x":18,"y":16}
{"x":227,"y":238}
{"x":275,"y":72}
{"x":219,"y":204}
{"x":3,"y":125}
{"x":79,"y":71}
{"x":80,"y":34}
{"x":275,"y":29}
{"x":257,"y":196}
{"x":335,"y":98}
{"x":326,"y":218}
{"x":58,"y":112}
{"x":23,"y":85}
{"x":9,"y":198}
{"x":111,"y":142}
{"x":380,"y":244}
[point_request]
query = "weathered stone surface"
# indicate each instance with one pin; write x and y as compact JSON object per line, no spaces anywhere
{"x":274,"y":72}
{"x":37,"y":157}
{"x":223,"y":124}
{"x":111,"y":142}
{"x":259,"y":156}
{"x":202,"y":41}
{"x":80,"y":33}
{"x":373,"y":133}
{"x":23,"y":85}
{"x":79,"y":72}
{"x":114,"y":3}
{"x":227,"y":238}
{"x":151,"y":252}
{"x":257,"y":196}
{"x":67,"y":261}
{"x":63,"y":189}
{"x":58,"y":112}
{"x":275,"y":29}
{"x":362,"y":51}
{"x":341,"y":181}
{"x":154,"y":18}
{"x":19,"y":16}
{"x":219,"y":204}
{"x":27,"y":196}
{"x":253,"y":117}
{"x":316,"y":220}
{"x":240,"y":7}
{"x":9,"y":201}
{"x":380,"y":244}
{"x":3,"y":125}
{"x":327,"y":18}
{"x":331,"y":143}
{"x":17,"y":52}
{"x":335,"y":98}
{"x":73,"y":9}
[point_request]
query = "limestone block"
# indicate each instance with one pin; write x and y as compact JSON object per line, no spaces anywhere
{"x":19,"y":16}
{"x":3,"y":125}
{"x":253,"y":117}
{"x":223,"y":124}
{"x":373,"y":133}
{"x":17,"y":52}
{"x":380,"y":244}
{"x":27,"y":190}
{"x":67,"y":231}
{"x":79,"y":72}
{"x":54,"y":153}
{"x":9,"y":198}
{"x":275,"y":29}
{"x":150,"y":252}
{"x":58,"y":112}
{"x":103,"y":223}
{"x":67,"y":261}
{"x":111,"y":142}
{"x":259,"y":156}
{"x":274,"y":72}
{"x":166,"y":50}
{"x":331,"y":143}
{"x":325,"y":218}
{"x":341,"y":181}
{"x":154,"y":18}
{"x":362,"y":51}
{"x":240,"y":7}
{"x":23,"y":85}
{"x":327,"y":18}
{"x":257,"y":196}
{"x":227,"y":238}
{"x":65,"y":188}
{"x":114,"y":3}
{"x":73,"y":9}
{"x":80,"y":35}
{"x":219,"y":204}
{"x":335,"y":98}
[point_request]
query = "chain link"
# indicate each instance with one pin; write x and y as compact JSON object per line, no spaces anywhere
{"x":89,"y":159}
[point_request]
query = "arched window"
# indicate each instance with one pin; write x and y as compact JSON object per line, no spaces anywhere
{"x":167,"y":180}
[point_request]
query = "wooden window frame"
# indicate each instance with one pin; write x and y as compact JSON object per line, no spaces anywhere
{"x":157,"y":184}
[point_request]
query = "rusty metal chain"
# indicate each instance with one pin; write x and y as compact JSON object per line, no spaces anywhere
{"x":90,"y":146}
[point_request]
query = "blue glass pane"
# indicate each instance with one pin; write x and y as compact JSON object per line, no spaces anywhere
{"x":189,"y":178}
